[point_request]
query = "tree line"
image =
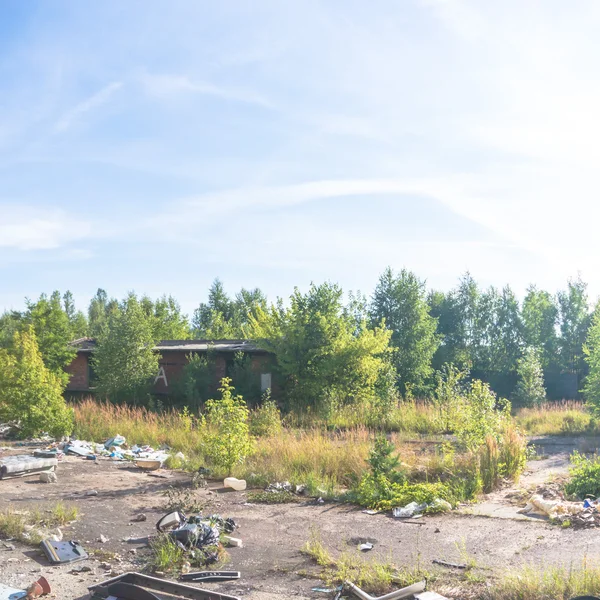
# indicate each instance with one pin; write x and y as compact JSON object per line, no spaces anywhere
{"x":332,"y":349}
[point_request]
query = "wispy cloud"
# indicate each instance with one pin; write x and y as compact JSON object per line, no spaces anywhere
{"x":29,"y":228}
{"x":75,"y":114}
{"x":167,"y":85}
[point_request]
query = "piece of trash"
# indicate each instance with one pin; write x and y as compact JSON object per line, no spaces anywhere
{"x":81,"y":569}
{"x":48,"y":477}
{"x":118,"y":440}
{"x":211,"y":576}
{"x":327,"y":590}
{"x":136,"y":580}
{"x":365,"y":547}
{"x":405,"y":592}
{"x":320,"y":500}
{"x":236,"y":484}
{"x":38,"y":588}
{"x":148,"y":464}
{"x":63,"y":552}
{"x":180,"y":456}
{"x":408,"y":511}
{"x":371,"y":512}
{"x":91,"y":493}
{"x":170,"y":520}
{"x":233,"y":542}
{"x":10,"y":593}
{"x":103,"y":539}
{"x":551,"y":508}
{"x":430,"y":596}
{"x":139,"y":518}
{"x":445,"y":563}
{"x":23,"y":465}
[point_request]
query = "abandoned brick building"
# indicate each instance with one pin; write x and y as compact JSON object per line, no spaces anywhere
{"x":174,"y":355}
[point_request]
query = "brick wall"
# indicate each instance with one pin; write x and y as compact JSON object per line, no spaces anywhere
{"x":78,"y":369}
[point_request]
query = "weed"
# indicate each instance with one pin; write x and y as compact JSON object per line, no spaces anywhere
{"x":265,"y":421}
{"x":168,"y":557}
{"x":374,"y":576}
{"x":266,"y":497}
{"x":585,"y":476}
{"x":556,"y":418}
{"x":182,"y":499}
{"x":547,"y":583}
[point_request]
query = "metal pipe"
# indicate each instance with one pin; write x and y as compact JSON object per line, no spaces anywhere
{"x":415,"y":588}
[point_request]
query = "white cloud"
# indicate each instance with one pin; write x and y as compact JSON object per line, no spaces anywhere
{"x":167,"y":85}
{"x":29,"y":228}
{"x":77,"y":112}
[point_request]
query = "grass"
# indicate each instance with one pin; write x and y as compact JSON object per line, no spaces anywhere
{"x":547,"y":583}
{"x":568,"y":417}
{"x":374,"y":576}
{"x":167,"y":557}
{"x":31,"y":525}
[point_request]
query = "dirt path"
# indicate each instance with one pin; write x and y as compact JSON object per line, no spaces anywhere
{"x":270,"y":561}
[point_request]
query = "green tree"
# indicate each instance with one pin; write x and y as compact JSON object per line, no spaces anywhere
{"x":53,"y":332}
{"x":323,"y":358}
{"x":77,"y":320}
{"x":124,"y":361}
{"x":591,"y":350}
{"x":99,"y":312}
{"x":10,"y":322}
{"x":574,"y":319}
{"x":169,"y":322}
{"x":400,"y":303}
{"x":530,"y":389}
{"x":540,"y":316}
{"x":228,"y":441}
{"x":30,"y":393}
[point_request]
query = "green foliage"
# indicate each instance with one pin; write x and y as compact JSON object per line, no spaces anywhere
{"x":448,"y":397}
{"x":483,"y":415}
{"x":530,"y":389}
{"x":30,"y":393}
{"x":245,"y":378}
{"x":325,"y":358}
{"x":265,"y":420}
{"x":591,"y":349}
{"x":399,"y":303}
{"x":169,"y":323}
{"x":228,"y":441}
{"x":540,"y":317}
{"x":585,"y":476}
{"x":383,"y":462}
{"x":196,"y":384}
{"x":53,"y":332}
{"x":124,"y":361}
{"x":574,"y":321}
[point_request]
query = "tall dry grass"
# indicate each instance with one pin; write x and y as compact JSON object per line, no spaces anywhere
{"x":557,"y":418}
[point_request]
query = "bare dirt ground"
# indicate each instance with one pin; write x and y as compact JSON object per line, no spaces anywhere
{"x":492,"y":532}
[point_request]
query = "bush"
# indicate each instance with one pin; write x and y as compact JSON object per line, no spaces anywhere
{"x":228,"y":441}
{"x":265,"y":421}
{"x":585,"y":476}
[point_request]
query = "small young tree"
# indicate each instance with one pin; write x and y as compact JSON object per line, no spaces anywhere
{"x":30,"y":393}
{"x":228,"y":441}
{"x":530,"y":389}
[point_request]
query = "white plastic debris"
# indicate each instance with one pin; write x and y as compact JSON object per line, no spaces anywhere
{"x":551,"y":508}
{"x":408,"y":511}
{"x":236,"y":484}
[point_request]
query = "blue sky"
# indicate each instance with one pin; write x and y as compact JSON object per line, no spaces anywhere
{"x":153,"y":147}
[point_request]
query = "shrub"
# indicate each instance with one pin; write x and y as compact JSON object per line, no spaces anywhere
{"x":228,"y":440}
{"x":530,"y":389}
{"x":265,"y":421}
{"x":585,"y":476}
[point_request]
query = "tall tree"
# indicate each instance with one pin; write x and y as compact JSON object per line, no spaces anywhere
{"x":540,"y":317}
{"x":53,"y":332}
{"x":530,"y":389}
{"x":77,"y":320}
{"x":399,"y":302}
{"x":124,"y":361}
{"x":30,"y":393}
{"x":98,"y":313}
{"x":591,"y":350}
{"x":574,"y":319}
{"x":169,"y":322}
{"x":322,"y":357}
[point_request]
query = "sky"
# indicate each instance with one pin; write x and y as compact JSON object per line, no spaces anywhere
{"x":153,"y":147}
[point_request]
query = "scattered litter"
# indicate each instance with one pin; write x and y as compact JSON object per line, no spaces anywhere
{"x":180,"y":456}
{"x":80,"y":569}
{"x":48,"y":477}
{"x":366,"y":547}
{"x":232,"y":542}
{"x":10,"y":593}
{"x":406,"y":592}
{"x":211,"y":576}
{"x":284,"y":486}
{"x":237,"y":484}
{"x":41,"y":587}
{"x":451,"y":565}
{"x":328,"y":590}
{"x":63,"y":552}
{"x":103,"y":539}
{"x":409,"y":511}
{"x":91,"y":493}
{"x":320,"y":500}
{"x":551,"y":508}
{"x":136,"y":582}
{"x":430,"y":596}
{"x":371,"y":512}
{"x":23,"y":465}
{"x":148,"y":464}
{"x":116,"y":441}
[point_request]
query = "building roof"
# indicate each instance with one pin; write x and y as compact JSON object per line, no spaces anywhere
{"x":87,"y":344}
